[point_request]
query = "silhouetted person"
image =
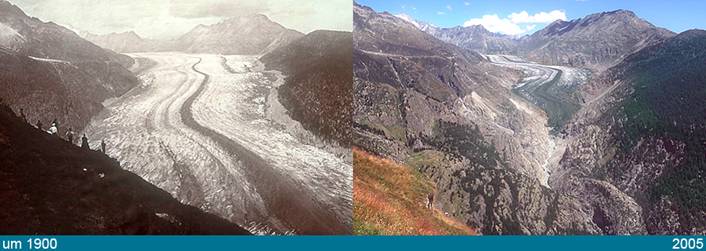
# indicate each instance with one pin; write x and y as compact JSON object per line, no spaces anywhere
{"x":430,"y":200}
{"x":103,"y":145}
{"x":84,"y":142}
{"x":55,"y":123}
{"x":39,"y":125}
{"x":22,"y":115}
{"x":70,"y":135}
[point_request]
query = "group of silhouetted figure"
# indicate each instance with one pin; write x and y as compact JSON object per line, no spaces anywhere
{"x":54,"y":130}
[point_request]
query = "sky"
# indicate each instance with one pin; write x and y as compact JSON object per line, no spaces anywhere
{"x":520,"y":17}
{"x":165,"y":19}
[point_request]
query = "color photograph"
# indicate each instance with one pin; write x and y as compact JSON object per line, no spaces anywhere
{"x":529,"y":118}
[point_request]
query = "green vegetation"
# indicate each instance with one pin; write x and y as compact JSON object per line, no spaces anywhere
{"x":425,"y":158}
{"x":464,"y":141}
{"x":641,"y":118}
{"x":360,"y":227}
{"x":669,"y":102}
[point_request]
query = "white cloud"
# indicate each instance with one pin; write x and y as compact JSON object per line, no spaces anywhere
{"x":516,"y":23}
{"x":448,"y":7}
{"x":495,"y":24}
{"x":541,"y":17}
{"x":466,"y":3}
{"x":440,"y":13}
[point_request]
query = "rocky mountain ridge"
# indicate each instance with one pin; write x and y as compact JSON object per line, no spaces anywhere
{"x":52,"y":73}
{"x":243,"y":35}
{"x":596,"y":41}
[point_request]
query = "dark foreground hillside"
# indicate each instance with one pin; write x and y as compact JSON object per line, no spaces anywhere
{"x":48,"y":186}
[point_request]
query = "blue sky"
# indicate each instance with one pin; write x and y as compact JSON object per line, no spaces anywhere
{"x":507,"y":16}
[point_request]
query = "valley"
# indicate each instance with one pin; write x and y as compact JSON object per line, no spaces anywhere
{"x":562,"y":131}
{"x":210,"y":130}
{"x":551,"y":88}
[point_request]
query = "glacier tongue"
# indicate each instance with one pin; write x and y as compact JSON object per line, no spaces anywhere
{"x":146,"y":131}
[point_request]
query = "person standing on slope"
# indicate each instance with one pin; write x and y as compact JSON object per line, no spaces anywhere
{"x":39,"y":125}
{"x":103,"y":146}
{"x":84,"y":142}
{"x":430,"y":200}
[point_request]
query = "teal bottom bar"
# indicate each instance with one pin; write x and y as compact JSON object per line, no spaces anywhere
{"x":358,"y":243}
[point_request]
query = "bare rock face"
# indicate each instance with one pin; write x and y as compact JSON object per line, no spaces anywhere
{"x":596,"y":41}
{"x":51,"y":72}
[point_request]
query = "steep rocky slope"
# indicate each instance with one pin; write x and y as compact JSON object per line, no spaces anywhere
{"x":642,"y":137}
{"x":318,"y":89}
{"x":450,"y":114}
{"x":49,"y":186}
{"x":596,"y":41}
{"x":51,"y":72}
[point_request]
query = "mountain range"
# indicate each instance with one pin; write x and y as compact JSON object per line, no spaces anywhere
{"x":628,"y":160}
{"x":242,"y":35}
{"x":596,"y":41}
